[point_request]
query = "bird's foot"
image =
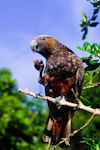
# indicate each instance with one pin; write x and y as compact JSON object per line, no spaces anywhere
{"x":38,"y":64}
{"x":57,"y":100}
{"x":38,"y":94}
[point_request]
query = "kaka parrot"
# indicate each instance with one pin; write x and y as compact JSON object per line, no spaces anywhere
{"x":63,"y":76}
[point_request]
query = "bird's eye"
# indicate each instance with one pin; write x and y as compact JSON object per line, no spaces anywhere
{"x":44,"y":38}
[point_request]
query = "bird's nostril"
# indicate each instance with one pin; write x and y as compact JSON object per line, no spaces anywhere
{"x":37,"y":46}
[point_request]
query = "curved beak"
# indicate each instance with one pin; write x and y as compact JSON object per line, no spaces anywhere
{"x":33,"y":45}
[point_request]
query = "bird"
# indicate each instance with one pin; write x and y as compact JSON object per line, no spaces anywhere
{"x":62,"y":76}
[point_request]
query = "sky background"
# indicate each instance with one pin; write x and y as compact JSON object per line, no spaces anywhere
{"x":22,"y":20}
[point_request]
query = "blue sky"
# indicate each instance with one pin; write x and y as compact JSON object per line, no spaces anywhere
{"x":22,"y":20}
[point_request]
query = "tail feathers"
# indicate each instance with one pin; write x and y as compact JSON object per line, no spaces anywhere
{"x":58,"y":128}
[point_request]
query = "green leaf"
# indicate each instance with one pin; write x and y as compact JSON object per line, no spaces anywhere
{"x":94,"y":62}
{"x":94,"y":24}
{"x":78,"y":47}
{"x":96,"y":11}
{"x":91,"y":78}
{"x":85,"y":59}
{"x":95,"y":3}
{"x":84,"y":17}
{"x":96,"y":47}
{"x":93,"y":18}
{"x":87,"y":46}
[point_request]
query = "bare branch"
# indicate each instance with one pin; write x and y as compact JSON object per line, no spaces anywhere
{"x":95,"y":111}
{"x":37,"y":95}
{"x":91,"y":86}
{"x":75,"y":132}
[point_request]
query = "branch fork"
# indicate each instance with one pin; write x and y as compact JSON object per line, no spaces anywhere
{"x":63,"y":102}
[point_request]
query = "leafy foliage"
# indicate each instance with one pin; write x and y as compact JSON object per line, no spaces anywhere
{"x":90,"y":21}
{"x":91,"y":142}
{"x":90,"y":96}
{"x":21,"y":127}
{"x":92,"y":64}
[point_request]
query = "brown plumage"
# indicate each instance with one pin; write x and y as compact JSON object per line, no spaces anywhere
{"x":63,"y":72}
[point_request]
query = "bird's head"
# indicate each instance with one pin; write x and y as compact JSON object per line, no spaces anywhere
{"x":43,"y":45}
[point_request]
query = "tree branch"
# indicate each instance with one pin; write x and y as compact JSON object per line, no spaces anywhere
{"x":95,"y":111}
{"x":75,"y":132}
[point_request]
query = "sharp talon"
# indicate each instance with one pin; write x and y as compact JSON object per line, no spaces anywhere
{"x":38,"y":94}
{"x":41,"y":80}
{"x":57,"y":99}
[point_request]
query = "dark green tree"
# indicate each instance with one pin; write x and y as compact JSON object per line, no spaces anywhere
{"x":21,"y":126}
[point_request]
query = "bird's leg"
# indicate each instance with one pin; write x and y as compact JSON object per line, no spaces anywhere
{"x":38,"y":64}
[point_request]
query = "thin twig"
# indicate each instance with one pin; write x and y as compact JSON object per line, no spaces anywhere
{"x":76,"y":99}
{"x":48,"y":144}
{"x":37,"y":95}
{"x":91,"y":86}
{"x":75,"y":132}
{"x":63,"y":101}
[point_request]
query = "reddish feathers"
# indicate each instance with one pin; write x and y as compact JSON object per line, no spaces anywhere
{"x":59,"y":87}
